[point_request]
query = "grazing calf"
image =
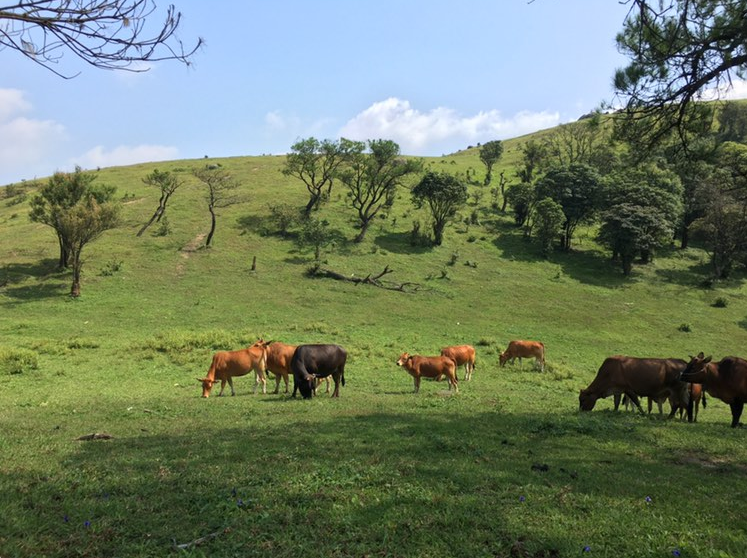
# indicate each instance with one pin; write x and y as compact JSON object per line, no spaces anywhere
{"x":725,"y":379}
{"x":524,"y":349}
{"x":313,"y":362}
{"x":633,"y":377}
{"x":429,"y":367}
{"x":228,"y":364}
{"x":462,"y":355}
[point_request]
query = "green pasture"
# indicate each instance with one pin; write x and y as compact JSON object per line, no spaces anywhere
{"x":505,"y":468}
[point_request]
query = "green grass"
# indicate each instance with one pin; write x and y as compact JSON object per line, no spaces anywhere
{"x":506,"y":468}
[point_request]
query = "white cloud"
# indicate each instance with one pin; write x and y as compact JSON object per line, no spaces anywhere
{"x":284,"y":129}
{"x":26,"y":144}
{"x":125,"y":155}
{"x":441,"y":129}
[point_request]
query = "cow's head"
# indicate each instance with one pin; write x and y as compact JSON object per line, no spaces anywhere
{"x":307,"y":386}
{"x":403,"y":358}
{"x":586,"y":400}
{"x":207,"y":385}
{"x":503,"y":357}
{"x":696,"y":370}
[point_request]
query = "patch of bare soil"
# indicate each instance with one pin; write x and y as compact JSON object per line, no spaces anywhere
{"x":187,"y":251}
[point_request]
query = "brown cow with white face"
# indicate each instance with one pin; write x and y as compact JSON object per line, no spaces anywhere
{"x":429,"y":367}
{"x":462,"y":355}
{"x":725,"y":379}
{"x":634,"y":377}
{"x":524,"y":349}
{"x":228,"y":364}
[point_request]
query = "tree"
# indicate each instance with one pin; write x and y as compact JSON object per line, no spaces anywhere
{"x":372,"y":179}
{"x":167,"y":183}
{"x":548,"y":221}
{"x":82,"y":224}
{"x":732,"y":122}
{"x":533,"y":158}
{"x":62,"y":192}
{"x":316,"y":234}
{"x":586,"y":141}
{"x":315,"y":163}
{"x":220,"y":193}
{"x":678,"y":50}
{"x":490,"y":153}
{"x":650,"y":189}
{"x":521,"y":198}
{"x":627,"y":229}
{"x":110,"y":34}
{"x":576,"y":189}
{"x":444,"y":194}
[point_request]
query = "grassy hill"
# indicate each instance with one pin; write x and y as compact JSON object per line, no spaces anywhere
{"x":506,"y":468}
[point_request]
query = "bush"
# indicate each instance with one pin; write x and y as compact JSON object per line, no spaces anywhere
{"x":18,"y":361}
{"x":686,"y":328}
{"x":720,"y":302}
{"x":112,"y":267}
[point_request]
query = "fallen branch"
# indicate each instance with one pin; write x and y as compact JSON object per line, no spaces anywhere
{"x":94,"y":436}
{"x":375,"y":280}
{"x":199,"y":541}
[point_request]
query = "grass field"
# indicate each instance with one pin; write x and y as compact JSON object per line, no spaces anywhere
{"x":506,"y":468}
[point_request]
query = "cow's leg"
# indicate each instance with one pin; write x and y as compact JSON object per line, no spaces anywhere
{"x":277,"y":385}
{"x":634,"y":399}
{"x":222,"y":387}
{"x":417,"y":383}
{"x":285,"y":379}
{"x":455,"y":382}
{"x":736,"y":412}
{"x":616,"y":400}
{"x":336,"y":378}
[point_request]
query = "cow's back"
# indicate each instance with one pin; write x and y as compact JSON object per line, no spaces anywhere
{"x":432,"y":367}
{"x":460,"y":354}
{"x":646,"y":377}
{"x":279,"y":356}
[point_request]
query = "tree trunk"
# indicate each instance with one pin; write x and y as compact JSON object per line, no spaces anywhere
{"x":627,"y":264}
{"x":313,"y":200}
{"x":156,"y":216}
{"x":212,"y":228}
{"x":76,"y":265}
{"x":438,"y":233}
{"x":64,"y":254}
{"x":685,"y":237}
{"x":364,"y":228}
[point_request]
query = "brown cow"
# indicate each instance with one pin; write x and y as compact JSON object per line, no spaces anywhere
{"x":524,"y":349}
{"x":227,"y":364}
{"x":634,"y":377}
{"x":696,"y":395}
{"x":726,"y":379}
{"x":278,"y":357}
{"x":462,"y":355}
{"x":429,"y":367}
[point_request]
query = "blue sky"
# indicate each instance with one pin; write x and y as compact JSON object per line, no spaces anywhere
{"x":435,"y":76}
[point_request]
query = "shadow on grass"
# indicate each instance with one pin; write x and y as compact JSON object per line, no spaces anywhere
{"x":399,"y":243}
{"x":50,"y":281}
{"x":399,"y":484}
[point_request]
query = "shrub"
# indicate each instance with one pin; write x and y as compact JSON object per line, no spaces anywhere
{"x":686,"y":328}
{"x":18,"y":361}
{"x":112,"y":267}
{"x":720,"y":302}
{"x":164,"y":228}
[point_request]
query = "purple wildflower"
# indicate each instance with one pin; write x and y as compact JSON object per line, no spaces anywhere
{"x":522,"y":498}
{"x":65,"y":518}
{"x":240,"y":503}
{"x":648,"y":499}
{"x":87,"y":524}
{"x":587,"y":548}
{"x":676,"y":552}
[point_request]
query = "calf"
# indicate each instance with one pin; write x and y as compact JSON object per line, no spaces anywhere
{"x":462,"y":355}
{"x":524,"y":349}
{"x":312,"y":362}
{"x":725,"y":379}
{"x":634,"y":377}
{"x":228,"y":364}
{"x":429,"y":367}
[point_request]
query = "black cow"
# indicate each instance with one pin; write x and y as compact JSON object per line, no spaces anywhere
{"x":310,"y":362}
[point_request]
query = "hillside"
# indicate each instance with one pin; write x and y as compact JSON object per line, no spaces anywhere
{"x":350,"y":477}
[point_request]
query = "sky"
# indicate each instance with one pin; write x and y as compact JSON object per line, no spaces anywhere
{"x":433,"y":75}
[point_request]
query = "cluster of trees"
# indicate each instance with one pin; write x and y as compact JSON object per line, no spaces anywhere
{"x":588,"y":172}
{"x":370,"y":172}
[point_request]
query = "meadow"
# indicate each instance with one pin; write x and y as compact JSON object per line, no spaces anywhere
{"x":506,"y":468}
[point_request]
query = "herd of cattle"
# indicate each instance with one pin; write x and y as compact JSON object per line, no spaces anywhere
{"x":682,"y":383}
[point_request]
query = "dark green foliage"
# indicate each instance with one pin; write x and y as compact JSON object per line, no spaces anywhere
{"x":732,"y":122}
{"x":521,"y":199}
{"x":576,"y":189}
{"x":167,"y":183}
{"x":548,"y":221}
{"x":444,"y":195}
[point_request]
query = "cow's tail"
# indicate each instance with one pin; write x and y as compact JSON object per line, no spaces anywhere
{"x":342,"y":377}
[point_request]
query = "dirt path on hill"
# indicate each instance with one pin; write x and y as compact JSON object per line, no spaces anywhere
{"x":187,"y":251}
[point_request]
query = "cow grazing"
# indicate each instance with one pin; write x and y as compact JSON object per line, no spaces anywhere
{"x":228,"y":364}
{"x":634,"y":377}
{"x":312,"y":362}
{"x":524,"y":349}
{"x":696,"y":395}
{"x":725,"y":379}
{"x":278,"y":357}
{"x":429,"y":367}
{"x":462,"y":355}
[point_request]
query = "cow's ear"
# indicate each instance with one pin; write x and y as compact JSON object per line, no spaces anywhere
{"x":701,"y":356}
{"x":200,"y":380}
{"x":706,"y":361}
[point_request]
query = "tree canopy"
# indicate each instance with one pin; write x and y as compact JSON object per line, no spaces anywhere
{"x":110,"y":34}
{"x":679,"y":51}
{"x":444,"y":194}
